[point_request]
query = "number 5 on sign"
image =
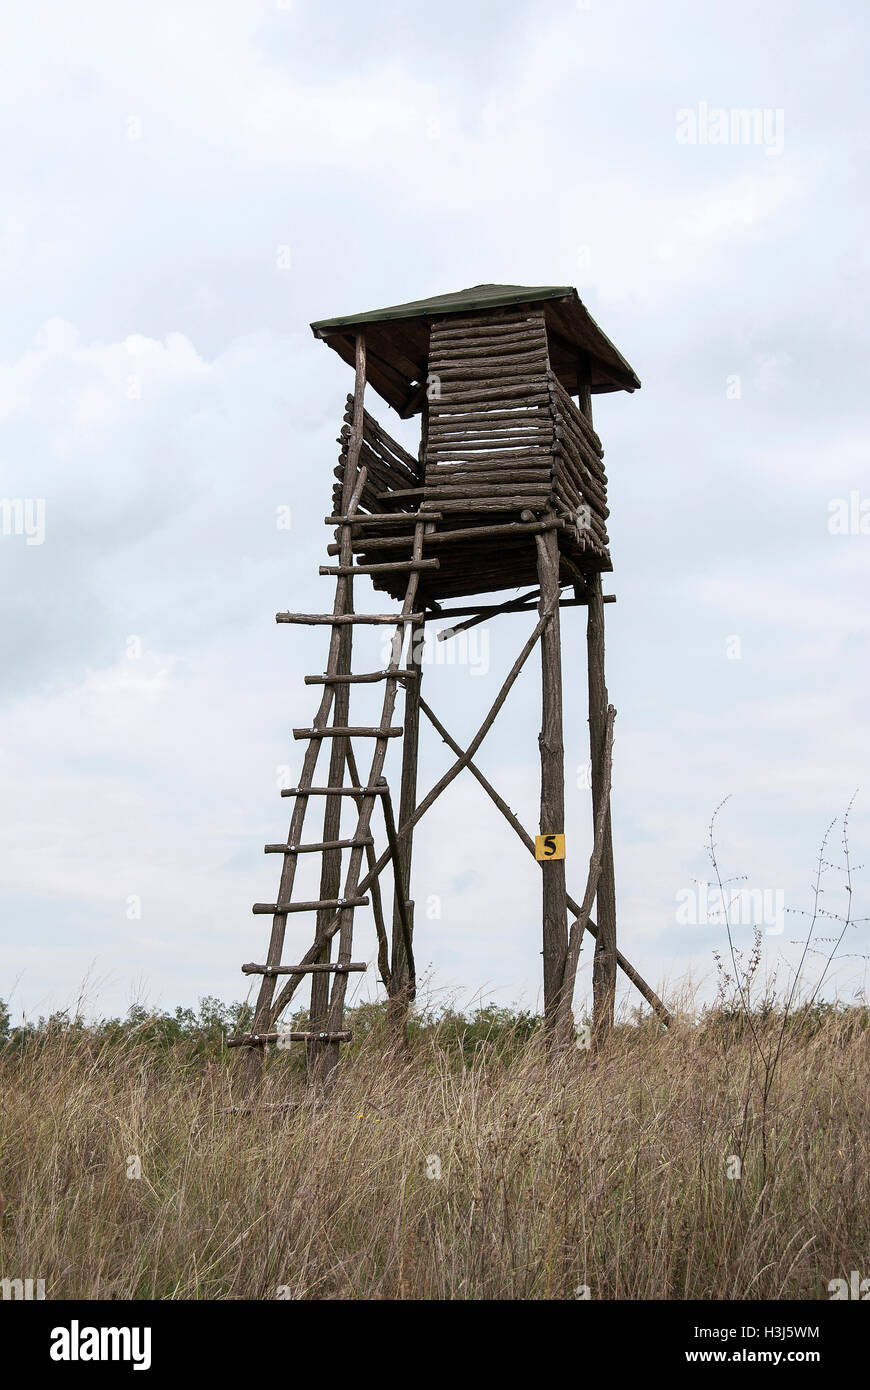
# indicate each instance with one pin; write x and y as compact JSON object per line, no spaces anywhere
{"x":549,"y":846}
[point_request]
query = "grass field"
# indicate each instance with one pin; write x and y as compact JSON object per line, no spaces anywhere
{"x":464,"y":1169}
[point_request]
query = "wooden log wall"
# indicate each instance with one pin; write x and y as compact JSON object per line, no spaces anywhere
{"x":580,"y":480}
{"x":389,"y":467}
{"x":504,"y":439}
{"x":490,"y":443}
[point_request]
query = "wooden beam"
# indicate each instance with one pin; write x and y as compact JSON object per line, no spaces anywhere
{"x":604,"y":965}
{"x":519,"y":605}
{"x":403,"y":987}
{"x":375,"y":888}
{"x":551,"y":744}
{"x":400,"y":877}
{"x":581,"y":921}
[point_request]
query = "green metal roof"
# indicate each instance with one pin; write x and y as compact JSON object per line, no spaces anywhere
{"x":397,"y":340}
{"x":461,"y":301}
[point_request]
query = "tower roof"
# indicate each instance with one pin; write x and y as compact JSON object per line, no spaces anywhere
{"x":397,"y":339}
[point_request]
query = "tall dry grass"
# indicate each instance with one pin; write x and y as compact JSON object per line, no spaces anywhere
{"x":609,"y":1171}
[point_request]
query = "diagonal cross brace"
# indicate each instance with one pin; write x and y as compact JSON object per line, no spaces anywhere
{"x":625,"y":965}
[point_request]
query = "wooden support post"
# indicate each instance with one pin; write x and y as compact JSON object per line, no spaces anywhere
{"x":399,"y":1002}
{"x":400,"y":997}
{"x":555,"y":908}
{"x":581,"y":922}
{"x":584,"y":395}
{"x":604,"y":964}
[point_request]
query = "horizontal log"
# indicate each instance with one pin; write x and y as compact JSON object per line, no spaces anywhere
{"x":496,"y":416}
{"x":331,"y":791}
{"x":261,"y":1039}
{"x":486,"y":610}
{"x":357,"y":967}
{"x":470,"y":335}
{"x":492,"y":389}
{"x":496,"y":371}
{"x":317,"y":848}
{"x":502,"y":313}
{"x":454,"y":454}
{"x":540,"y":486}
{"x":362,"y":545}
{"x":453,"y":505}
{"x":337,"y":619}
{"x":397,"y":565}
{"x":538,"y":461}
{"x":505,"y":484}
{"x":383,"y":519}
{"x":469,"y":533}
{"x":446,"y":358}
{"x":349,"y":731}
{"x":457,"y":404}
{"x":488,"y":474}
{"x":517,"y":437}
{"x":366,"y":678}
{"x":283,"y":909}
{"x":468,"y":442}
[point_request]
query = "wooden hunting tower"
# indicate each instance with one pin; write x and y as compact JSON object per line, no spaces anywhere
{"x":507,"y":491}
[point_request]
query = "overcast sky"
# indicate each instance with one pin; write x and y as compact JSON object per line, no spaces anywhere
{"x":185,"y":187}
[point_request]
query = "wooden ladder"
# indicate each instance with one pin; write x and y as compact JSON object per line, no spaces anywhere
{"x":339,"y":899}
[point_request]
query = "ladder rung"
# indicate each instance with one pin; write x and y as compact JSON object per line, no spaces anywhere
{"x":260,"y":1039}
{"x":311,"y":849}
{"x":350,"y":731}
{"x":409,"y":674}
{"x":270,"y":909}
{"x":388,"y":567}
{"x":332,"y":791}
{"x":384,"y":519}
{"x":336,"y":619}
{"x":355,"y":967}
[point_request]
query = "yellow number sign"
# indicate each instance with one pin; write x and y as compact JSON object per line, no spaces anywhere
{"x":549,"y":846}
